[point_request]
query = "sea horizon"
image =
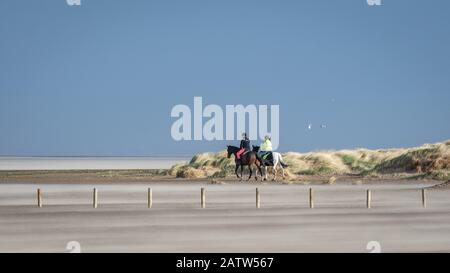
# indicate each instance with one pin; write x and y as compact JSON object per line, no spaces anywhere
{"x":11,"y":163}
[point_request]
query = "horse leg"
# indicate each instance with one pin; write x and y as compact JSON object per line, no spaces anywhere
{"x":256,"y":174}
{"x":276,"y":163}
{"x":265,"y":173}
{"x":251,"y":172}
{"x":274,"y":172}
{"x":260,"y":172}
{"x":242,"y":170}
{"x":258,"y":165}
{"x":235,"y":171}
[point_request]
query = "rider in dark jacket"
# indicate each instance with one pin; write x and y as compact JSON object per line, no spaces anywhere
{"x":245,"y":145}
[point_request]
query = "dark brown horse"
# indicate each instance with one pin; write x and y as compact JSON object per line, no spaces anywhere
{"x":247,"y":159}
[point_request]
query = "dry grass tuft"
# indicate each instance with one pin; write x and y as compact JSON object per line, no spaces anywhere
{"x":332,"y":180}
{"x":431,"y":160}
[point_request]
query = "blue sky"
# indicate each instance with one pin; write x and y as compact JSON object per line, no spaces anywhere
{"x":102,"y":78}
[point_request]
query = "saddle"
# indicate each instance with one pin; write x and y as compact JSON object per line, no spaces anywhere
{"x":266,"y":157}
{"x":244,"y":153}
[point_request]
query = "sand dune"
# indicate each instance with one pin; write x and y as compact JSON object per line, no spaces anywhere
{"x":427,"y":161}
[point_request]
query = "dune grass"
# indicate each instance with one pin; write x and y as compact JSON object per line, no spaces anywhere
{"x":430,"y":160}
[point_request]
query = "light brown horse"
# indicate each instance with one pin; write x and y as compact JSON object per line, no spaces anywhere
{"x":247,"y":159}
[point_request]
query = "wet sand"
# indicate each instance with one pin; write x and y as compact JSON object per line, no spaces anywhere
{"x":340,"y":222}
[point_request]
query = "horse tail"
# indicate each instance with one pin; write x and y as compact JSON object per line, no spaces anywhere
{"x":284,"y":165}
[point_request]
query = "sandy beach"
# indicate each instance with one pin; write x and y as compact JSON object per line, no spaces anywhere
{"x":340,"y":221}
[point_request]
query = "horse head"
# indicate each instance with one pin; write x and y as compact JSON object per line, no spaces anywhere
{"x":255,"y":148}
{"x":229,"y":151}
